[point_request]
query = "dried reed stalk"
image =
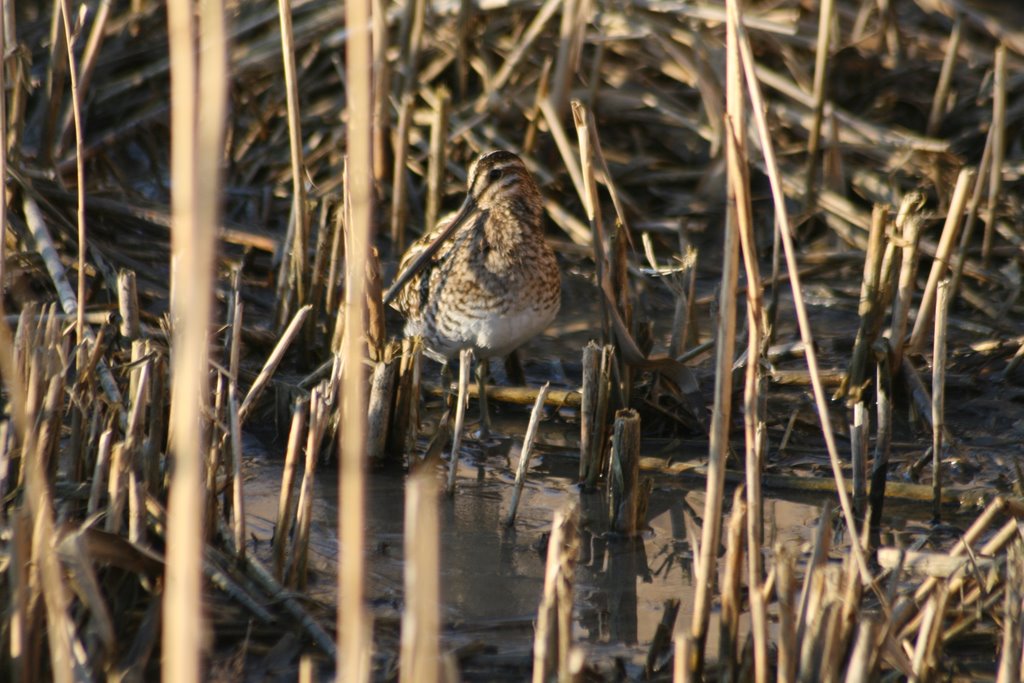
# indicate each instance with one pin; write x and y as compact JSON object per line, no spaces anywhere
{"x":198,"y":94}
{"x":353,"y":622}
{"x":728,"y":642}
{"x":4,"y":332}
{"x":998,"y":149}
{"x":296,"y":264}
{"x":285,"y":506}
{"x":821,"y":54}
{"x":525,"y":453}
{"x":718,"y":446}
{"x":950,"y":230}
{"x":782,"y":219}
{"x":553,"y":634}
{"x":421,"y":618}
{"x":438,"y":158}
{"x":76,"y":108}
{"x":625,"y":492}
{"x":939,"y":394}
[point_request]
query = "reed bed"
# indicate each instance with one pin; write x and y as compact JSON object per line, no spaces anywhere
{"x":786,"y":214}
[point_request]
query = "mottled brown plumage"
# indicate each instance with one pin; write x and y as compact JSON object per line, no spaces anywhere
{"x":485,"y":278}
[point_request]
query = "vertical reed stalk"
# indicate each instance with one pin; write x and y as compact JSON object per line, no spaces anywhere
{"x":624,"y":488}
{"x":984,"y":167}
{"x":869,"y":304}
{"x":753,"y":400}
{"x":825,"y":12}
{"x":945,"y":78}
{"x":998,"y":150}
{"x":4,"y":332}
{"x":237,"y":491}
{"x":198,"y":94}
{"x":553,"y":634}
{"x":300,"y":216}
{"x":588,"y":411}
{"x":438,"y":159}
{"x":284,"y":506}
{"x":782,"y":217}
{"x":728,"y":643}
{"x":80,"y":170}
{"x":421,"y":619}
{"x":942,"y":256}
{"x":399,"y":186}
{"x":883,"y":441}
{"x":353,"y":621}
{"x":527,"y":452}
{"x":718,"y":447}
{"x":908,"y":221}
{"x":939,"y":395}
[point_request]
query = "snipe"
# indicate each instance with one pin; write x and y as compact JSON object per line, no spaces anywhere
{"x":483,"y":279}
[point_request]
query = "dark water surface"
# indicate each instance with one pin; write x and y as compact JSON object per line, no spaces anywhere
{"x":492,"y":576}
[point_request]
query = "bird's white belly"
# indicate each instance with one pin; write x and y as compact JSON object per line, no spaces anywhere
{"x":488,"y":334}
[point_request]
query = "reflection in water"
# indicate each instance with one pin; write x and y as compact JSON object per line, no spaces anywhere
{"x":492,"y":577}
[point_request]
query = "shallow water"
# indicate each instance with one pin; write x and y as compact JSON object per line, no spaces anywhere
{"x":492,"y":576}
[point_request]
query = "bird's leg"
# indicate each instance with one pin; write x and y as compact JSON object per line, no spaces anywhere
{"x":482,"y":368}
{"x":446,"y":382}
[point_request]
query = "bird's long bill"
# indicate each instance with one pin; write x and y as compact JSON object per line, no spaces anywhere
{"x":421,"y":260}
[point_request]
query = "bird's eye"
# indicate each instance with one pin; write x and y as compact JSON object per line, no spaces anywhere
{"x":494,"y":174}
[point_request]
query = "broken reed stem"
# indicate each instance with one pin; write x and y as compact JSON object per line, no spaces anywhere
{"x":998,"y":150}
{"x":786,"y":641}
{"x":624,"y":489}
{"x":945,"y":78}
{"x":405,"y":421}
{"x":522,"y":48}
{"x":818,"y":108}
{"x":732,"y":601}
{"x":942,"y":255}
{"x":908,"y":221}
{"x":128,"y":304}
{"x":553,"y":635}
{"x":273,"y":360}
{"x":980,"y":180}
{"x":462,"y":399}
{"x":76,"y":108}
{"x":593,"y":401}
{"x":859,"y":436}
{"x":419,"y":657}
{"x":300,"y":216}
{"x":237,"y":491}
{"x":883,"y":441}
{"x":285,"y":507}
{"x":592,"y":206}
{"x":870,"y":303}
{"x":296,"y":575}
{"x":782,"y":217}
{"x":526,"y":453}
{"x":68,"y":299}
{"x":60,"y":626}
{"x":438,"y":159}
{"x":382,"y":391}
{"x":718,"y":447}
{"x":198,"y":115}
{"x":399,"y":187}
{"x":939,"y":394}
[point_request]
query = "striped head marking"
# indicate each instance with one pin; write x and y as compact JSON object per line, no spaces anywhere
{"x":497,"y":176}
